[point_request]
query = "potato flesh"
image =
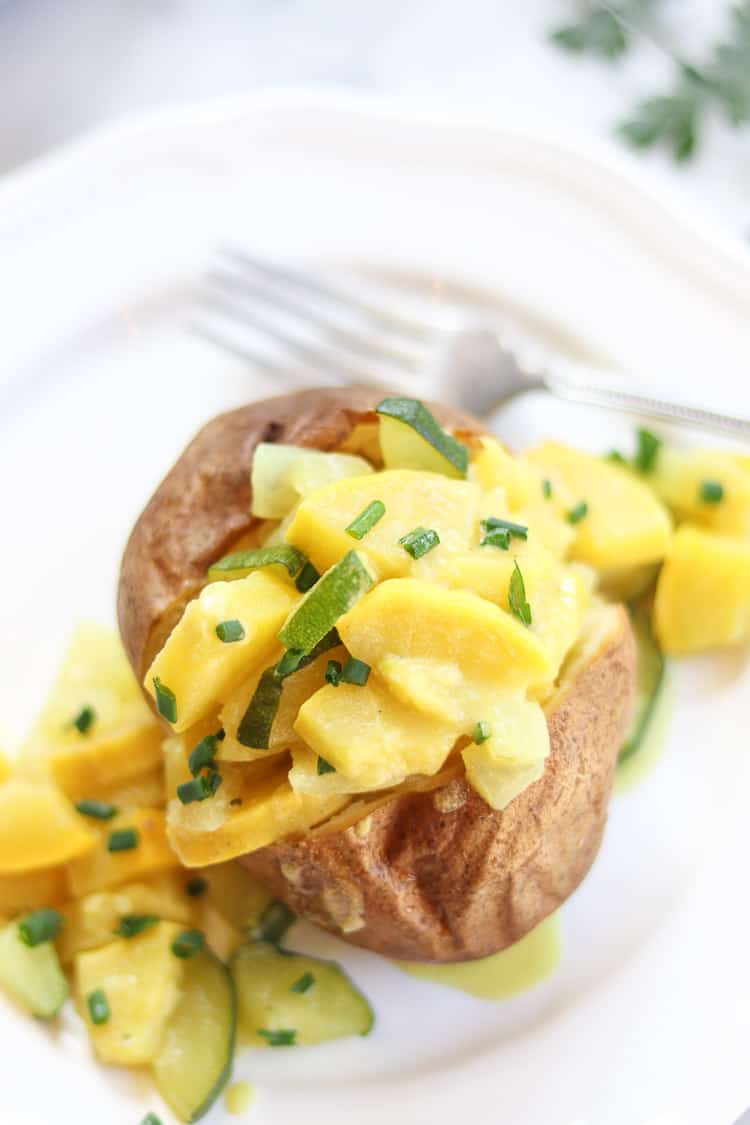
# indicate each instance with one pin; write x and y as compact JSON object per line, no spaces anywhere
{"x":703,"y":593}
{"x":625,"y":524}
{"x":282,"y":474}
{"x":199,"y":668}
{"x":514,"y":754}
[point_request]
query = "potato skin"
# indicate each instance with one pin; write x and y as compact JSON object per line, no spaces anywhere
{"x":202,"y":506}
{"x":440,"y":876}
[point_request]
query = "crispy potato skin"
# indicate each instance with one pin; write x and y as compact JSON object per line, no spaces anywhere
{"x":440,"y":876}
{"x":202,"y":506}
{"x":436,"y":876}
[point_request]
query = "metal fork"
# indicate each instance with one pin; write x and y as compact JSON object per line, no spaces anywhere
{"x":277,"y":318}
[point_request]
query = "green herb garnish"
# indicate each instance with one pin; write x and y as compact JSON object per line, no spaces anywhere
{"x":42,"y":925}
{"x":98,"y":1006}
{"x":498,"y":537}
{"x":151,"y":1119}
{"x":284,"y":1037}
{"x":122,"y":840}
{"x":419,"y":541}
{"x":333,"y":673}
{"x":230,"y":631}
{"x":482,"y":732}
{"x":200,"y":788}
{"x":599,"y":31}
{"x":130,"y":925}
{"x":355,"y":672}
{"x":303,"y":984}
{"x":241,"y":563}
{"x":547,"y":488}
{"x":188,"y":943}
{"x":366,"y":520}
{"x":84,"y":719}
{"x":579,"y":512}
{"x":166,"y":702}
{"x":616,"y":457}
{"x":202,"y":757}
{"x":99,"y":810}
{"x":519,"y":607}
{"x":273,"y":923}
{"x":711,"y":491}
{"x":324,"y":766}
{"x":306,"y":578}
{"x":196,"y":886}
{"x":648,"y":450}
{"x":516,"y":530}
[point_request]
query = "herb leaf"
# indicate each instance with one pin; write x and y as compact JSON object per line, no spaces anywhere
{"x":600,"y":32}
{"x":519,"y":607}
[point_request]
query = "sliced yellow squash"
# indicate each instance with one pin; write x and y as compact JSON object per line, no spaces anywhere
{"x":103,"y":868}
{"x":39,"y":828}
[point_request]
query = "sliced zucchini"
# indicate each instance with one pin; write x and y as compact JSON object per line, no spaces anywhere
{"x":31,"y":974}
{"x":650,"y":682}
{"x":283,"y":473}
{"x":195,"y":1060}
{"x":329,"y":599}
{"x":411,"y":438}
{"x":286,"y":999}
{"x":241,"y":563}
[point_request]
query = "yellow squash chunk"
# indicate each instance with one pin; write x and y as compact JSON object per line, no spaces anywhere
{"x":625,"y":524}
{"x":678,"y":477}
{"x":102,"y":869}
{"x":371,"y":737}
{"x":254,"y":806}
{"x":39,"y":828}
{"x":4,"y":768}
{"x":411,"y":499}
{"x":46,"y":887}
{"x":140,"y":978}
{"x":120,"y":740}
{"x":202,"y":670}
{"x":513,"y":756}
{"x":297,"y":688}
{"x":146,"y":790}
{"x":419,"y":620}
{"x":703,"y":592}
{"x":304,"y":776}
{"x":90,"y":922}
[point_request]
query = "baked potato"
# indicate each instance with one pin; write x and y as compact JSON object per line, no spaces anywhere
{"x":414,"y":867}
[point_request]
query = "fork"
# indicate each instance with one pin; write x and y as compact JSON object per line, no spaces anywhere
{"x":342,"y":334}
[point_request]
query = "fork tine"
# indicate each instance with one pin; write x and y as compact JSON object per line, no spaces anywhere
{"x":325,"y":361}
{"x":363,"y":344}
{"x":298,"y":279}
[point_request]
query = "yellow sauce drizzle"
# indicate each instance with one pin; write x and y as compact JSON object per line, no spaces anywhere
{"x":238,"y":1098}
{"x":513,"y":970}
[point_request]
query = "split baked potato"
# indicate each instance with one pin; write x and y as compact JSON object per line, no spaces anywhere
{"x":403,"y":854}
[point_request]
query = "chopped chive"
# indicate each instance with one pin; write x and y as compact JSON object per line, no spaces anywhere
{"x":616,"y":457}
{"x":303,"y":984}
{"x":648,"y":448}
{"x":122,"y":840}
{"x":355,"y":672}
{"x":324,"y":766}
{"x":202,"y":757}
{"x":482,"y":732}
{"x":130,"y":925}
{"x":711,"y":491}
{"x":284,"y":1037}
{"x":98,"y":1006}
{"x":519,"y":607}
{"x":366,"y":519}
{"x":241,"y":563}
{"x":497,"y":537}
{"x":517,"y":530}
{"x":290,"y":662}
{"x":273,"y":923}
{"x":306,"y":578}
{"x":188,"y":943}
{"x":151,"y":1119}
{"x":196,"y":886}
{"x":547,"y":488}
{"x":42,"y":925}
{"x":333,"y":673}
{"x":579,"y":512}
{"x":166,"y":702}
{"x":84,"y":719}
{"x":419,"y":541}
{"x":230,"y":631}
{"x":99,"y":810}
{"x":199,"y":788}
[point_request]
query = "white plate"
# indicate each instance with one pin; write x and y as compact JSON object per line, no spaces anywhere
{"x":647,"y":1020}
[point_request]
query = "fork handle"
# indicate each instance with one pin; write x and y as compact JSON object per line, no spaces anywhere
{"x":579,"y":390}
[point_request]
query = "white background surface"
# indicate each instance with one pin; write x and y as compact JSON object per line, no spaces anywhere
{"x":68,"y":64}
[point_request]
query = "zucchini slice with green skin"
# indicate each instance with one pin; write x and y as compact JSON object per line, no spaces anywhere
{"x":194,"y":1063}
{"x":651,"y":665}
{"x":411,"y":438}
{"x":32,"y":974}
{"x":287,"y":999}
{"x":330,"y":598}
